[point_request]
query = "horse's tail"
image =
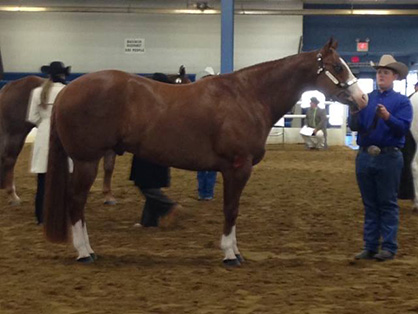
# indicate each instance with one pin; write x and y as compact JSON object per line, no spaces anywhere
{"x":56,"y":212}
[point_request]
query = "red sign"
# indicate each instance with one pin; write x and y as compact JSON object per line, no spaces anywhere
{"x":355,"y":59}
{"x":362,"y":46}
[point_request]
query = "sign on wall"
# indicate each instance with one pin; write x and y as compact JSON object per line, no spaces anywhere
{"x":134,"y":45}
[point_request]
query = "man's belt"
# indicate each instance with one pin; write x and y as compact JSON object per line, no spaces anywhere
{"x":374,"y":150}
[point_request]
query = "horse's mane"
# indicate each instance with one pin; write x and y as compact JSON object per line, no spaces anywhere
{"x":267,"y":65}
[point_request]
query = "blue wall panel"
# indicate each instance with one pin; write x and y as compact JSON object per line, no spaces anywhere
{"x":396,"y":35}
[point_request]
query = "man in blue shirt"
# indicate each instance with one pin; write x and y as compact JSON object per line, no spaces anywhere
{"x":381,"y":127}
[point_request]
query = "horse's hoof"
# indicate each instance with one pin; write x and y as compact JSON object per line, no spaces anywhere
{"x":110,"y":202}
{"x":231,"y":262}
{"x":15,"y":202}
{"x":240,"y":258}
{"x":93,"y":256}
{"x":86,"y":260}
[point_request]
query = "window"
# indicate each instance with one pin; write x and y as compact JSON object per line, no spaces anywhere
{"x":366,"y":85}
{"x":306,"y":99}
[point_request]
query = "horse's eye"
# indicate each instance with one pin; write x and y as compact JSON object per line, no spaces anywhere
{"x":338,"y":68}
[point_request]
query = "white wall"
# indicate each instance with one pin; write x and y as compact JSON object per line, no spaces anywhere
{"x":92,"y":41}
{"x":264,"y":38}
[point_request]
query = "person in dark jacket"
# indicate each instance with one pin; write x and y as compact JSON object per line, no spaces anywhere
{"x":150,"y":178}
{"x":316,"y":120}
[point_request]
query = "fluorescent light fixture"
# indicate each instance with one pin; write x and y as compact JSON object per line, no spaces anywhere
{"x":372,"y":12}
{"x":195,"y":11}
{"x":22,"y":9}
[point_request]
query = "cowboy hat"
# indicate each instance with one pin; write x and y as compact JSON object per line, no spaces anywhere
{"x":314,"y":100}
{"x":206,"y":72}
{"x":389,"y":62}
{"x":56,"y":68}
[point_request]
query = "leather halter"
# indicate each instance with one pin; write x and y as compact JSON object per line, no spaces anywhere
{"x":321,"y":69}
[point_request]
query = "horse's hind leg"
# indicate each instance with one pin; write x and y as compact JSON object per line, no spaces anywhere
{"x":108,"y":167}
{"x":235,"y":180}
{"x":81,"y":182}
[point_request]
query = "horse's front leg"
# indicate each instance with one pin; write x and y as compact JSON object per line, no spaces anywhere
{"x":108,"y":167}
{"x":81,"y":182}
{"x":235,"y":180}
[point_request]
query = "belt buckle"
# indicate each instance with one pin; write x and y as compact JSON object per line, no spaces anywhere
{"x":373,"y":150}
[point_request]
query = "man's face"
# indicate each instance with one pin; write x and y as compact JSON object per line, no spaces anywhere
{"x":385,"y":78}
{"x":313,"y":105}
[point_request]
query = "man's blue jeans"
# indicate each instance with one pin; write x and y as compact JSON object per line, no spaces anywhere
{"x":378,"y":178}
{"x":206,"y":184}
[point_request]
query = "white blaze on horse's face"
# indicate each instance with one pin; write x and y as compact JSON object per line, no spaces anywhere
{"x":355,"y":92}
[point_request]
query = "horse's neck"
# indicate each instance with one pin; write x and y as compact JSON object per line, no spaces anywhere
{"x":279,"y":84}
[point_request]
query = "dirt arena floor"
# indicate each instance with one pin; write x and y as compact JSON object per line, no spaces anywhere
{"x":300,"y":224}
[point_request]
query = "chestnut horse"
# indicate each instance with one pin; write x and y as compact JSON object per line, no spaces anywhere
{"x":220,"y":123}
{"x":14,"y":128}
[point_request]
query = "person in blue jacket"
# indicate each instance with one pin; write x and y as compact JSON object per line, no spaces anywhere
{"x":381,"y":128}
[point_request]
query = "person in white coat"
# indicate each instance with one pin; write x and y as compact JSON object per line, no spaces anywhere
{"x":39,"y":112}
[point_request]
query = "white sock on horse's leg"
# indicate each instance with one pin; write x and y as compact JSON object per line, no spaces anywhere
{"x":79,"y":240}
{"x":86,"y":239}
{"x":234,"y":244}
{"x":227,"y":245}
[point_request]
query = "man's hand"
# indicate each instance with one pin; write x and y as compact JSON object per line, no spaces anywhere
{"x":382,"y":112}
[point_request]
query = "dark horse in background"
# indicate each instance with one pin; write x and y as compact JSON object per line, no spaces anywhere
{"x":220,"y":123}
{"x":14,"y":128}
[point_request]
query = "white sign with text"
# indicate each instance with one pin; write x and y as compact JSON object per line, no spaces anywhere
{"x":134,"y":45}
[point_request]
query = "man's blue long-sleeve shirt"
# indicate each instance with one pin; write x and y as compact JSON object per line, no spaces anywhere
{"x":387,"y":133}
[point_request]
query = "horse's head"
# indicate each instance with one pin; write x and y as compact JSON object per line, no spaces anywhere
{"x":336,"y":79}
{"x":181,"y":77}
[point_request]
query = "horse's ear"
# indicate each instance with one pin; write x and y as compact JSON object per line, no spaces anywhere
{"x":182,"y":71}
{"x":331,"y":44}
